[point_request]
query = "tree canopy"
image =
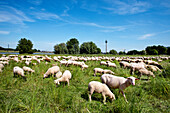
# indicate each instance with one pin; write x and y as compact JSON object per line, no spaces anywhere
{"x":24,"y":46}
{"x":60,"y":49}
{"x":73,"y":46}
{"x":89,"y":48}
{"x":154,"y":50}
{"x":114,"y":52}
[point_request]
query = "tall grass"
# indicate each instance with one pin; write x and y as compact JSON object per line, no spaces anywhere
{"x":41,"y":95}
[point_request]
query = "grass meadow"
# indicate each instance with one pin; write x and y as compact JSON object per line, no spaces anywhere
{"x":40,"y":95}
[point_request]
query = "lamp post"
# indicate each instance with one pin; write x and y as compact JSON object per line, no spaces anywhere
{"x":106,"y":46}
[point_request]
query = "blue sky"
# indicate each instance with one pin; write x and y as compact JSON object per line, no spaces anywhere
{"x":126,"y":24}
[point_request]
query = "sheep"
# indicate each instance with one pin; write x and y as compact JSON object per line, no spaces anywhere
{"x":52,"y":71}
{"x":84,"y":66}
{"x":103,"y":63}
{"x":1,"y":66}
{"x":124,"y":64}
{"x":58,"y":74}
{"x":100,"y":88}
{"x":65,"y":78}
{"x":115,"y":82}
{"x":109,"y":64}
{"x":146,"y":72}
{"x":63,"y":62}
{"x":136,"y":67}
{"x":153,"y":68}
{"x":98,"y":70}
{"x":19,"y":71}
{"x":28,"y":69}
{"x":108,"y":71}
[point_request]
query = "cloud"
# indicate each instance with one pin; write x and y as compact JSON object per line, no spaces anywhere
{"x":35,"y":2}
{"x":12,"y":15}
{"x":45,"y":16}
{"x":128,"y":7}
{"x":146,"y":36}
{"x":4,"y":32}
{"x":65,"y":11}
{"x":152,"y":34}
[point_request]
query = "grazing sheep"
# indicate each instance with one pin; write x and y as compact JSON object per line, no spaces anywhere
{"x":103,"y":63}
{"x":1,"y":66}
{"x":153,"y":68}
{"x":58,"y":74}
{"x":63,"y":62}
{"x":19,"y":71}
{"x":111,"y":64}
{"x":98,"y":70}
{"x":52,"y":71}
{"x":65,"y":78}
{"x":146,"y":72}
{"x":28,"y":69}
{"x":108,"y":71}
{"x":118,"y":82}
{"x":100,"y":88}
{"x":84,"y":66}
{"x":136,"y":67}
{"x":124,"y":64}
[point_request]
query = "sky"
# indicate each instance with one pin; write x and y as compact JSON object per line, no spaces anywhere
{"x":125,"y":24}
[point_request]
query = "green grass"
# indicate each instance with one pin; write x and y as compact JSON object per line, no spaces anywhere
{"x":41,"y":95}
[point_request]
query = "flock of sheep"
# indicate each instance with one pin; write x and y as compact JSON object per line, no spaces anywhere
{"x":143,"y":65}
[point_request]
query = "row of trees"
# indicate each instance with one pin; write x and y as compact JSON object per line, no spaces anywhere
{"x":72,"y":47}
{"x":150,"y":50}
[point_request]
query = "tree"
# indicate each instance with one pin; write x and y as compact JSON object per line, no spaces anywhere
{"x":168,"y":50}
{"x":122,"y":53}
{"x":114,"y":52}
{"x":150,"y":50}
{"x":73,"y":46}
{"x":89,"y":48}
{"x":24,"y":46}
{"x":60,"y":49}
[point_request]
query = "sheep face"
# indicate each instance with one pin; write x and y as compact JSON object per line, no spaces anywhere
{"x":113,"y":97}
{"x":131,"y":80}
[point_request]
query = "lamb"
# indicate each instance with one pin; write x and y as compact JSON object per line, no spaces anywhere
{"x":52,"y":71}
{"x":58,"y":74}
{"x":28,"y":69}
{"x":65,"y":78}
{"x":146,"y":72}
{"x":100,"y":88}
{"x":118,"y":82}
{"x":98,"y":70}
{"x":19,"y":71}
{"x":1,"y":66}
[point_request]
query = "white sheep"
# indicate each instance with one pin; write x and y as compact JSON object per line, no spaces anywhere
{"x":146,"y":72}
{"x":58,"y":74}
{"x":103,"y":63}
{"x":1,"y":66}
{"x":84,"y":66}
{"x":28,"y":69}
{"x":18,"y":71}
{"x":111,"y":64}
{"x":124,"y":64}
{"x":52,"y":71}
{"x":95,"y":86}
{"x":65,"y":78}
{"x":136,"y":67}
{"x":153,"y":68}
{"x":108,"y":71}
{"x":98,"y":70}
{"x":115,"y":82}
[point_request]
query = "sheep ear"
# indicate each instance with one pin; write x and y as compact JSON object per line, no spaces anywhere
{"x":136,"y":79}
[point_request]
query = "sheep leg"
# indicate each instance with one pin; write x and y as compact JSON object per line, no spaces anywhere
{"x":104,"y":98}
{"x":124,"y":96}
{"x":95,"y":73}
{"x":90,"y":93}
{"x":68,"y":82}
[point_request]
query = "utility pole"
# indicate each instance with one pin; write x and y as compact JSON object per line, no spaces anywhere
{"x":8,"y":48}
{"x":106,"y":46}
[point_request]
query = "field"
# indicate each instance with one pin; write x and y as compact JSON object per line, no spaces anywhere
{"x":41,"y":95}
